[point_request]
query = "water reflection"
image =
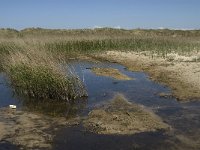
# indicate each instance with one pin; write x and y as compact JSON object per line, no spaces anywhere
{"x":55,"y":108}
{"x":75,"y":138}
{"x":7,"y":96}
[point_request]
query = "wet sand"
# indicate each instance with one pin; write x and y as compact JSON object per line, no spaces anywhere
{"x":123,"y":118}
{"x":27,"y":130}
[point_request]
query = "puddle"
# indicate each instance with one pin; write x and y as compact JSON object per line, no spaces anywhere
{"x":5,"y":145}
{"x":184,"y":118}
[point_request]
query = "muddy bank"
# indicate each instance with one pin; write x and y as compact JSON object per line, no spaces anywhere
{"x":110,"y":72}
{"x":181,"y":75}
{"x":26,"y":130}
{"x":122,"y":117}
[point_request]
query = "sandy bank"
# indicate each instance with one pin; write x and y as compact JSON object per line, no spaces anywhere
{"x":180,"y":73}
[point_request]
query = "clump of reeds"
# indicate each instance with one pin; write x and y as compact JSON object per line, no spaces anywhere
{"x":7,"y":48}
{"x":37,"y":75}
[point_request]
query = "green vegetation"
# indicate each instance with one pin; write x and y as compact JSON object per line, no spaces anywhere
{"x":86,"y":41}
{"x":8,"y":47}
{"x":41,"y":82}
{"x":158,"y":46}
{"x":37,"y":74}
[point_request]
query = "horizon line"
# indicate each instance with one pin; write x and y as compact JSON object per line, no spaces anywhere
{"x":102,"y":27}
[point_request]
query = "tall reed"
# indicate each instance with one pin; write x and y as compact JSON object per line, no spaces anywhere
{"x":37,"y":75}
{"x":157,"y":46}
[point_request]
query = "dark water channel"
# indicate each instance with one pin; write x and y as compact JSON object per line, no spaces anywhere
{"x":184,"y":118}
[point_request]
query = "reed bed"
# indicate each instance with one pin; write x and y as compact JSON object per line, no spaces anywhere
{"x":159,"y":46}
{"x":37,"y":75}
{"x":86,"y":41}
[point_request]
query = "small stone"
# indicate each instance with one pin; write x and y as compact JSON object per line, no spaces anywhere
{"x":115,"y":117}
{"x":13,"y":106}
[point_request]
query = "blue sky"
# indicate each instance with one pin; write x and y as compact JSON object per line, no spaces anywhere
{"x":178,"y":14}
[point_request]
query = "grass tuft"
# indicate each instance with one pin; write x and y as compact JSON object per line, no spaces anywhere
{"x":39,"y":76}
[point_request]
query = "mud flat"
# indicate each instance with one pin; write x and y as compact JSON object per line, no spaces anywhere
{"x":26,"y":130}
{"x":122,"y":117}
{"x":180,"y":73}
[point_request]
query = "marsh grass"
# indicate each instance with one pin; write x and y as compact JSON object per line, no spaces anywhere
{"x":6,"y":48}
{"x":158,"y":46}
{"x":37,"y":75}
{"x":87,"y":41}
